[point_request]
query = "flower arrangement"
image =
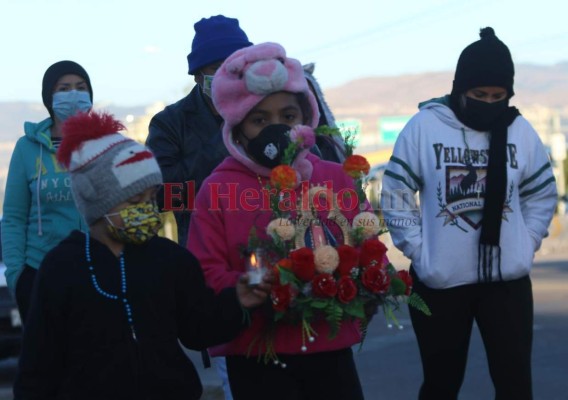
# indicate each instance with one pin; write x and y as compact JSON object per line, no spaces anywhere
{"x":317,"y":277}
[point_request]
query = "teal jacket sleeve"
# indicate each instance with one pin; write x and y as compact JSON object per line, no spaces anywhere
{"x":17,"y":202}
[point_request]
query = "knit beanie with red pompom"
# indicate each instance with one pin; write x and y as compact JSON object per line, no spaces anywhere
{"x":106,"y":167}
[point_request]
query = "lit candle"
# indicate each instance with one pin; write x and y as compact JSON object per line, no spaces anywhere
{"x":255,"y":267}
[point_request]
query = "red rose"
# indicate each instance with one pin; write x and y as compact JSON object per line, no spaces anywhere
{"x":356,"y":166}
{"x":407,"y":279}
{"x":376,"y":279}
{"x":373,"y":252}
{"x":323,"y":285}
{"x":348,"y":259}
{"x":285,"y":263}
{"x":346,"y":289}
{"x":281,"y":297}
{"x":303,"y":265}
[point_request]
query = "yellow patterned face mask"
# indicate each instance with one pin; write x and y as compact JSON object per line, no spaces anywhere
{"x":141,"y":223}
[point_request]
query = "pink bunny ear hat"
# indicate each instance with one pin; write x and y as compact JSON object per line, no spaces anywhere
{"x":244,"y":80}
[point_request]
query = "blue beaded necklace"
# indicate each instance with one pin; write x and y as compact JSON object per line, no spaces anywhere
{"x":107,"y":294}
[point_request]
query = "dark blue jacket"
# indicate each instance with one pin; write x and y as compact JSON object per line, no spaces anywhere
{"x":186,"y":139}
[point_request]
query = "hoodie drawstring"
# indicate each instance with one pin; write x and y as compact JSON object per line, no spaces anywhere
{"x":39,"y":227}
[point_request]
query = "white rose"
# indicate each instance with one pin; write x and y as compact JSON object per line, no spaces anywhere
{"x":326,"y":259}
{"x":282,"y":228}
{"x":369,"y":222}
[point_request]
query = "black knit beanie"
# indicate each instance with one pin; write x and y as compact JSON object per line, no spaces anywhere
{"x":486,"y":62}
{"x":53,"y":74}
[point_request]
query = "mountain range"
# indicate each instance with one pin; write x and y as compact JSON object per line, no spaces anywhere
{"x":543,"y":85}
{"x":364,"y":98}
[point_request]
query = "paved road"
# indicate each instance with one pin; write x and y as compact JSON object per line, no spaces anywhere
{"x":389,"y":363}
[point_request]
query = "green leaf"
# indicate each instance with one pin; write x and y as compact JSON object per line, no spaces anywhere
{"x":355,"y":309}
{"x":303,"y":300}
{"x":290,"y":153}
{"x":253,"y":241}
{"x":414,"y":300}
{"x":388,"y":309}
{"x":334,"y":315}
{"x":398,"y":287}
{"x":363,"y":325}
{"x":308,"y":314}
{"x":357,"y":236}
{"x":287,"y":276}
{"x":350,"y":140}
{"x":279,"y":315}
{"x":319,"y":304}
{"x":327,"y":131}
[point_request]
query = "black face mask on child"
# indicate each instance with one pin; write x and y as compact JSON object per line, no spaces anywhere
{"x":481,"y":115}
{"x":269,"y":146}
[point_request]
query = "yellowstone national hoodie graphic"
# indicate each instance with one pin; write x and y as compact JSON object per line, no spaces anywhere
{"x":445,"y":162}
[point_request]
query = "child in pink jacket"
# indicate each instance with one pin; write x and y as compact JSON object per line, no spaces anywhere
{"x":257,"y":90}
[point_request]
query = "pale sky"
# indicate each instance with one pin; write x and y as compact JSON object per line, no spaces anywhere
{"x":135,"y":50}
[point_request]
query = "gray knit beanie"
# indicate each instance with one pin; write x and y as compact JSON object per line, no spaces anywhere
{"x":106,"y":168}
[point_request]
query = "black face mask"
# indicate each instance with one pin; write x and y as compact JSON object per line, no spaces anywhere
{"x":269,"y":146}
{"x":481,"y":115}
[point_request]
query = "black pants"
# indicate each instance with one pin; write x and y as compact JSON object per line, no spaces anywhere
{"x":24,"y":288}
{"x":328,"y":376}
{"x":503,"y":312}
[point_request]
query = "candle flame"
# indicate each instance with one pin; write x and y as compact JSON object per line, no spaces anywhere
{"x":253,"y":261}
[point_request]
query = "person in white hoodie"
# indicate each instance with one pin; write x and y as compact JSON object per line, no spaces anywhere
{"x":487,"y":195}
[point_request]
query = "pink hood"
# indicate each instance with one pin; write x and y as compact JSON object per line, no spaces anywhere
{"x":244,"y":80}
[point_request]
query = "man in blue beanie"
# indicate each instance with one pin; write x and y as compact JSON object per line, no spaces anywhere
{"x":186,"y":138}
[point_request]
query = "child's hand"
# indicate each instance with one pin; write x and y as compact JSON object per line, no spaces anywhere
{"x":254,"y":296}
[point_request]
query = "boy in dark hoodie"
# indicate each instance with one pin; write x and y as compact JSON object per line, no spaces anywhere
{"x":109,"y":306}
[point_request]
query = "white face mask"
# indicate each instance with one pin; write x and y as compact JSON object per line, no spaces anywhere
{"x":66,"y":104}
{"x":206,"y":86}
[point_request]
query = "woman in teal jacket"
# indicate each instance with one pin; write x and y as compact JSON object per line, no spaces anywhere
{"x":38,"y":206}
